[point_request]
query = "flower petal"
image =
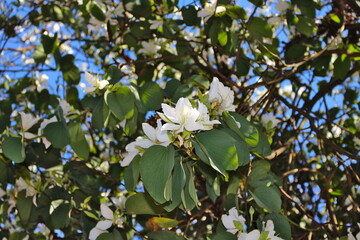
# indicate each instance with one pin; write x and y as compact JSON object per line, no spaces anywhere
{"x":106,"y":211}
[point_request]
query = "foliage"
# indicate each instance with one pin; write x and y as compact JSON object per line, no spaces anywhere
{"x":169,"y":119}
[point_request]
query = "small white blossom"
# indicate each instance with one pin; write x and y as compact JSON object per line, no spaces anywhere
{"x":270,"y":118}
{"x":94,"y":82}
{"x":153,"y":137}
{"x":185,"y":118}
{"x":282,"y":6}
{"x":21,"y":184}
{"x":40,"y":81}
{"x":253,"y":235}
{"x":233,"y":222}
{"x":27,"y":121}
{"x":156,"y":24}
{"x":102,"y":226}
{"x":222,"y":96}
{"x":150,"y":48}
{"x":269,"y":227}
{"x":210,"y":9}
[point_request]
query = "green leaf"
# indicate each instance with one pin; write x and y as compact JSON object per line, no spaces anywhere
{"x":121,"y":102}
{"x":178,"y":184}
{"x":164,"y":235}
{"x":57,"y":134}
{"x":247,"y":131}
{"x":157,"y":161}
{"x":78,"y":141}
{"x":24,"y":206}
{"x":267,"y":198}
{"x":39,"y":54}
{"x":70,"y":72}
{"x":335,"y":18}
{"x":214,"y":30}
{"x":281,"y":225}
{"x":259,"y":170}
{"x":217,"y":149}
{"x":97,"y":12}
{"x":142,"y":203}
{"x":259,"y":28}
{"x":100,"y":114}
{"x":306,"y":26}
{"x":49,"y":43}
{"x":224,"y":235}
{"x":115,"y":235}
{"x":200,"y":81}
{"x":236,"y":12}
{"x":223,"y":38}
{"x":242,"y":66}
{"x":115,"y":74}
{"x":151,"y":96}
{"x":60,"y":216}
{"x":132,"y":173}
{"x":13,"y":149}
{"x":189,"y":15}
{"x":341,"y":66}
{"x":188,"y":193}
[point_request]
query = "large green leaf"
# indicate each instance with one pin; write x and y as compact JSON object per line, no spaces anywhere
{"x":100,"y":114}
{"x":158,"y":161}
{"x":164,"y":235}
{"x":115,"y":235}
{"x":267,"y":198}
{"x":97,"y":12}
{"x":188,"y":194}
{"x":218,"y":149}
{"x":151,"y":96}
{"x":57,"y":134}
{"x":60,"y":213}
{"x":246,"y":131}
{"x":24,"y":206}
{"x":132,"y":173}
{"x":259,"y":28}
{"x":70,"y":72}
{"x":178,"y":183}
{"x":78,"y":141}
{"x":142,"y":203}
{"x":189,"y":15}
{"x":13,"y":149}
{"x":121,"y":102}
{"x":341,"y":66}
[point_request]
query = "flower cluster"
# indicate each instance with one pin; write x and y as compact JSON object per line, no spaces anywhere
{"x":234,"y":223}
{"x":182,"y":120}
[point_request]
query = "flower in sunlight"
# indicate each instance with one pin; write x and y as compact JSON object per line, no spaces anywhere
{"x":94,"y":82}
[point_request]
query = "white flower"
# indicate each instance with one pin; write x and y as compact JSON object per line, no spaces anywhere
{"x":270,"y":118}
{"x":282,"y":6}
{"x":204,"y":117}
{"x":41,"y":80}
{"x":223,"y":96}
{"x":153,"y":137}
{"x":27,"y":121}
{"x":182,"y":117}
{"x":155,"y":24}
{"x":269,"y":229}
{"x":102,"y":226}
{"x":23,"y":185}
{"x":210,"y":9}
{"x":253,"y":235}
{"x":149,"y":48}
{"x":233,"y":222}
{"x":94,"y":82}
{"x":66,"y":108}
